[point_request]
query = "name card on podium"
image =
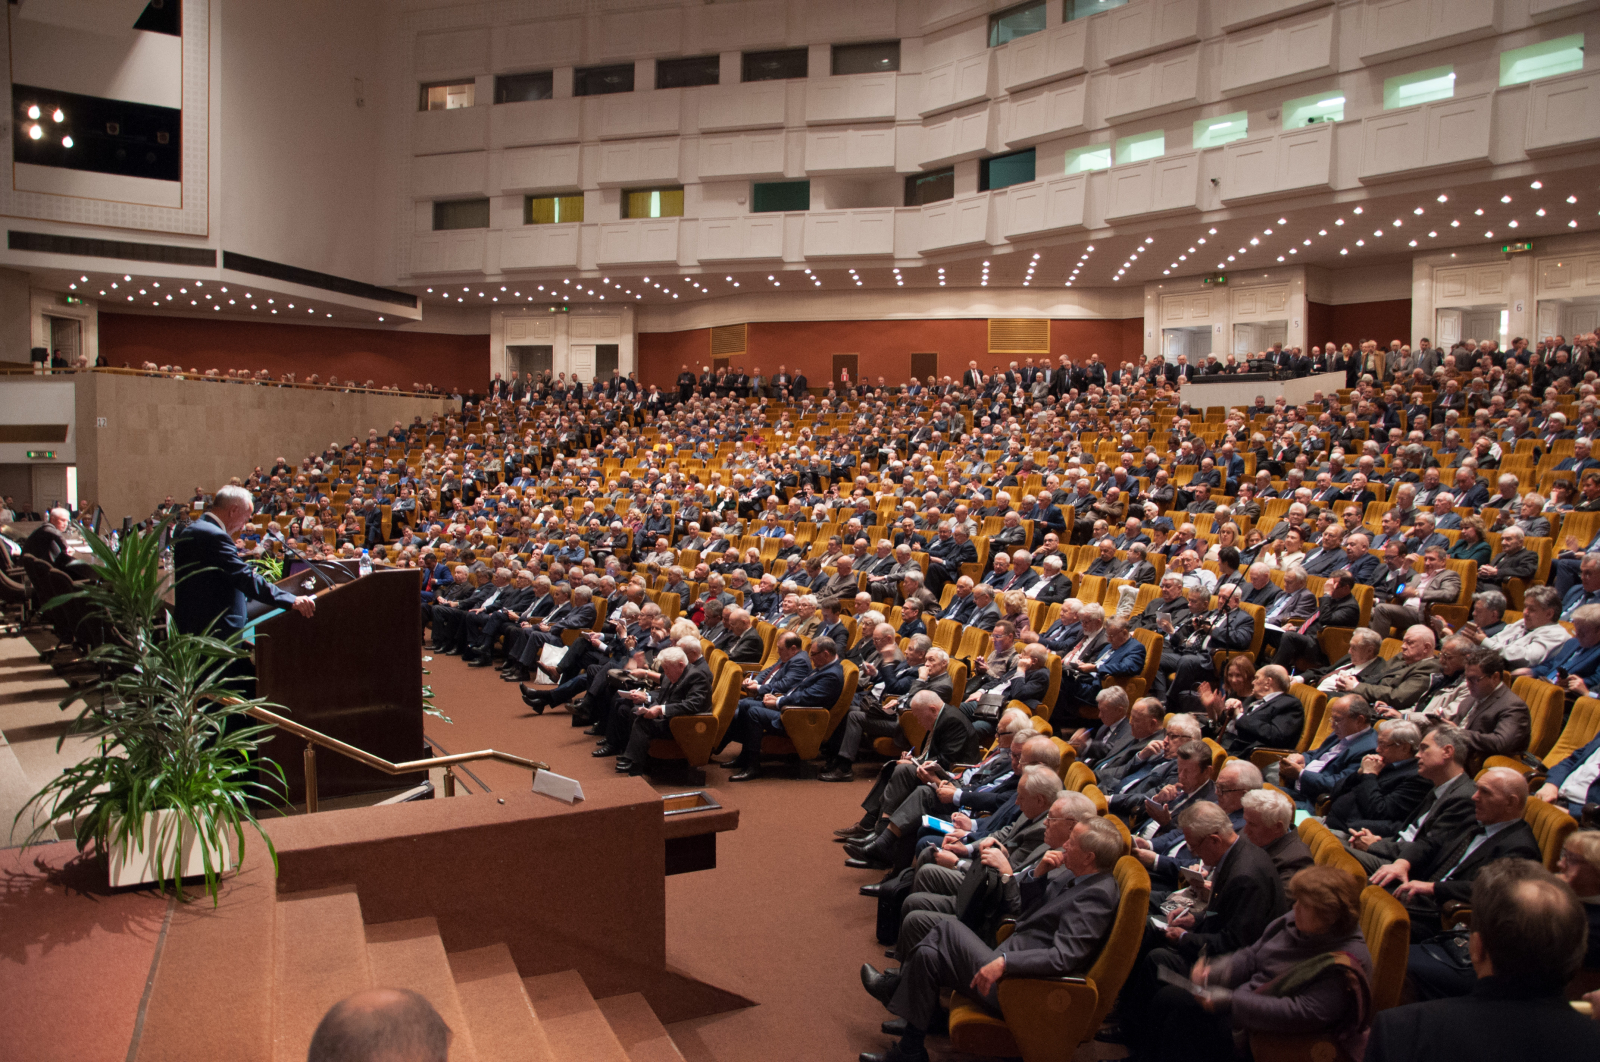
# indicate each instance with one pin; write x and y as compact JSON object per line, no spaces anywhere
{"x":558,"y":786}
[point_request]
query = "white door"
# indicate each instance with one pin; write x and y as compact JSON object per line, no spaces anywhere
{"x":1447,"y":326}
{"x":1578,"y":320}
{"x":580,"y":362}
{"x":1481,"y":325}
{"x":1549,"y":320}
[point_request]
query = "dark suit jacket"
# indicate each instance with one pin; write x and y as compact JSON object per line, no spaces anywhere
{"x":746,"y":649}
{"x":1273,"y":723}
{"x":1290,"y":855}
{"x":50,"y":546}
{"x":213,"y":581}
{"x":1378,"y":802}
{"x":1056,"y":590}
{"x":1438,"y":857}
{"x":1246,"y":894}
{"x":1313,"y":784}
{"x":820,"y":688}
{"x":691,"y":694}
{"x":1065,"y":921}
{"x":952,"y":739}
{"x":1263,"y":597}
{"x":1030,"y":688}
{"x":1499,"y":1019}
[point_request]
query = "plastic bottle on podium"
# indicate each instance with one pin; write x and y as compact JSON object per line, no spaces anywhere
{"x":366,"y":563}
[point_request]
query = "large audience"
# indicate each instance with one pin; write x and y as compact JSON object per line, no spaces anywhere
{"x":1080,"y":632}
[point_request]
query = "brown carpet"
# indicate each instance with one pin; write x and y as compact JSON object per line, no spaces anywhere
{"x":778,"y":921}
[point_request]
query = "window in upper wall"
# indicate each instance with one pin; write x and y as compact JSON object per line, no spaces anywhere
{"x":1072,"y":10}
{"x":552,"y":209}
{"x":1020,"y":21}
{"x":1141,"y":146}
{"x":521,"y":88}
{"x":1085,"y":159}
{"x":1408,"y":90}
{"x":1214,"y":132}
{"x":1002,"y":171}
{"x":653,"y":203}
{"x":769,"y":196}
{"x":1309,"y":110}
{"x":447,"y":95}
{"x":775,"y":66}
{"x":461,"y":214}
{"x":602,"y":80}
{"x":1563,"y":55}
{"x":686,"y":73}
{"x":930,"y":187}
{"x":866,"y":58}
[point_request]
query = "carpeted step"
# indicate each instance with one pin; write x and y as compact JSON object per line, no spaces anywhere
{"x":638,"y":1030}
{"x":409,"y":954}
{"x":504,"y":1027}
{"x":319,"y":958}
{"x":577,"y":1030}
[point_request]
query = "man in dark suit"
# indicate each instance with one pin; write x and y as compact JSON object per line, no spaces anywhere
{"x":1443,"y":811}
{"x":1067,"y":915}
{"x":1386,"y":788}
{"x":1190,"y":643}
{"x":483,"y":629}
{"x":212,"y":581}
{"x":820,"y":688}
{"x":48,"y":543}
{"x":744,"y":641}
{"x":1274,"y":719}
{"x":685,"y":690}
{"x":1442,"y":869}
{"x":575,"y":613}
{"x":1308,"y":776}
{"x":1337,"y":608}
{"x":1527,"y":940}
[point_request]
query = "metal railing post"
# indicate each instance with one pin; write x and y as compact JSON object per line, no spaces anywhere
{"x":449,"y":782}
{"x":311,"y":778}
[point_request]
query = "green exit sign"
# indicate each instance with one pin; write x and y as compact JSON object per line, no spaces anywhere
{"x":1516,"y":248}
{"x":42,"y":455}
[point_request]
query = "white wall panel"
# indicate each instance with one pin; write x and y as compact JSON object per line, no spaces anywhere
{"x":1160,"y":186}
{"x":540,"y":169}
{"x":647,"y":241}
{"x":1447,"y":133}
{"x":465,"y":173}
{"x":757,"y":154}
{"x":963,"y":135}
{"x":1281,"y":164}
{"x":858,"y":98}
{"x":463,"y":129}
{"x":536,"y":122}
{"x":1471,"y":285}
{"x":959,"y":222}
{"x":846,"y":20}
{"x":534,"y":45}
{"x":540,"y":247}
{"x":746,"y":106}
{"x":957,"y":84}
{"x":1056,"y":53}
{"x":849,"y":233}
{"x":639,"y":161}
{"x":1046,"y":206}
{"x":453,"y":53}
{"x":1278,"y":53}
{"x":1045,"y":112}
{"x":1563,"y":112}
{"x":1392,"y":28}
{"x":1569,"y":276}
{"x":850,"y":150}
{"x":939,"y":13}
{"x":735,"y":26}
{"x":630,"y":114}
{"x":448,"y":252}
{"x":1236,"y":14}
{"x":1146,"y":26}
{"x":1163,"y":83}
{"x":632,"y":34}
{"x":758,"y":237}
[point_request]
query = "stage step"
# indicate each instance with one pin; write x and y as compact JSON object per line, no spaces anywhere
{"x":638,"y":1029}
{"x":409,"y":954}
{"x":504,"y":1027}
{"x":319,"y":958}
{"x":573,"y":1022}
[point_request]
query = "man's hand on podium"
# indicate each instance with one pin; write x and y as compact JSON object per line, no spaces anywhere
{"x":305,"y":606}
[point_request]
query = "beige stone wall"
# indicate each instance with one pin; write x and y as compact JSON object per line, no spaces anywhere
{"x":165,"y":436}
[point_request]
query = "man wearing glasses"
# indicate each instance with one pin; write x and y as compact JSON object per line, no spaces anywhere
{"x":820,"y":689}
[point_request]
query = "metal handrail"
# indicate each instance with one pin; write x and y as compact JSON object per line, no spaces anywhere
{"x":314,"y":738}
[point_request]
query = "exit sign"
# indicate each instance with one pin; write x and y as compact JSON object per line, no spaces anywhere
{"x":1516,"y":248}
{"x":41,"y":455}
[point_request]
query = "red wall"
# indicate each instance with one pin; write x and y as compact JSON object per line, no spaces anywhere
{"x":884,"y":347}
{"x":450,"y":362}
{"x":1354,"y":322}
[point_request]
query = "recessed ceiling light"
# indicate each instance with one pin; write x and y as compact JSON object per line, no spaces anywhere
{"x":1505,"y":199}
{"x":1572,"y":199}
{"x":1357,"y":210}
{"x":1444,"y":199}
{"x":1536,"y":185}
{"x":1479,"y":212}
{"x":1540,"y":212}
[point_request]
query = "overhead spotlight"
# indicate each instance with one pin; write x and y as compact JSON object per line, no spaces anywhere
{"x":1357,"y":210}
{"x":1444,"y":199}
{"x":33,"y":111}
{"x":1416,"y":211}
{"x":1536,"y":185}
{"x":1572,"y":199}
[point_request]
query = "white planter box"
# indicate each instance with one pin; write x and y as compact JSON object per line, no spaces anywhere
{"x":136,"y":865}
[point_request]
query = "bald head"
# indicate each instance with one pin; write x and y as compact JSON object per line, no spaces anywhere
{"x":381,"y":1025}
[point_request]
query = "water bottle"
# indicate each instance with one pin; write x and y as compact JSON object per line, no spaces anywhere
{"x":366,"y":563}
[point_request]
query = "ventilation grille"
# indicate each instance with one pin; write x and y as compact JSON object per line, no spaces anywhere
{"x":87,"y":247}
{"x":243,"y":263}
{"x":726,"y":340}
{"x":1016,"y":335}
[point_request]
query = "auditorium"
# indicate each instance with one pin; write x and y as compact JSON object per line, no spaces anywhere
{"x":718,"y":530}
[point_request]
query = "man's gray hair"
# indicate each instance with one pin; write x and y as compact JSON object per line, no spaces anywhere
{"x":1205,"y":819}
{"x":1075,"y":806}
{"x":1401,"y":732}
{"x":1274,"y":808}
{"x":674,"y":655}
{"x":1185,"y":725}
{"x":1040,"y":781}
{"x":228,"y":497}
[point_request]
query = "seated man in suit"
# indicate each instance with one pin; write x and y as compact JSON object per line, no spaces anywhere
{"x":1514,"y":561}
{"x":1152,"y":769}
{"x":1158,"y":839}
{"x":1111,"y":734}
{"x":1117,"y":654}
{"x":1386,"y":788}
{"x":1574,"y":782}
{"x":1528,"y":929}
{"x":685,"y":690}
{"x":1408,"y":676}
{"x":1106,"y":564}
{"x":1190,"y":643}
{"x":1068,"y":906}
{"x":1054,"y":586}
{"x":1269,"y":825}
{"x":1027,"y":681}
{"x":1443,"y":810}
{"x":574,"y":611}
{"x":821,"y":688}
{"x":1143,"y":727}
{"x":1310,"y":775}
{"x":1297,"y":638}
{"x":1273,"y":719}
{"x":1443,"y":868}
{"x":1437,"y":585}
{"x":926,"y":670}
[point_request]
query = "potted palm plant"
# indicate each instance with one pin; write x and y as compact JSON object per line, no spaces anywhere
{"x":172,"y":785}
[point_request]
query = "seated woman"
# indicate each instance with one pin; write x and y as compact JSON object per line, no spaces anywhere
{"x":1309,"y":974}
{"x":1473,"y":544}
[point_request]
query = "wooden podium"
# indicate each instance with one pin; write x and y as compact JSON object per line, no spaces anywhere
{"x":352,"y":671}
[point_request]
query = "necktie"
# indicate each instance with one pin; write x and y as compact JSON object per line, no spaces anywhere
{"x":1307,"y":624}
